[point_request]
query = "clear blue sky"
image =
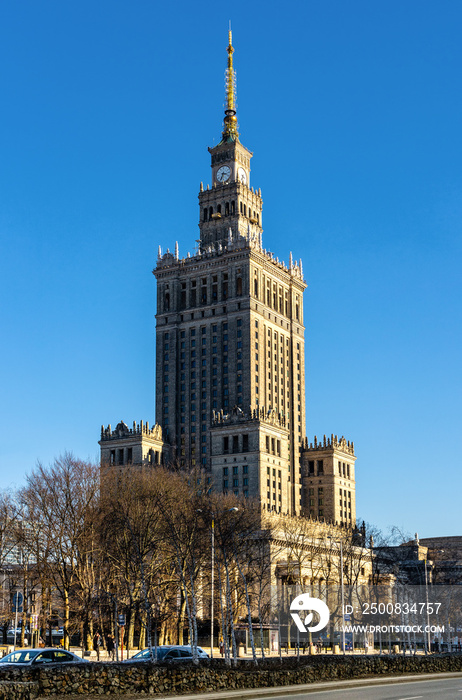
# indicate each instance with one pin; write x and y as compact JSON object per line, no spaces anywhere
{"x":353,"y":111}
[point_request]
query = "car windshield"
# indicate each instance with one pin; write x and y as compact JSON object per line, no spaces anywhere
{"x":145,"y":654}
{"x":142,"y":654}
{"x":19,"y":657}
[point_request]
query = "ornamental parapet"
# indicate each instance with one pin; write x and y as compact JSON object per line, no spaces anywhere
{"x":236,"y":241}
{"x":139,"y":429}
{"x":253,"y":415}
{"x":334,"y":442}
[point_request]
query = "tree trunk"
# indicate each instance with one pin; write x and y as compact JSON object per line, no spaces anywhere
{"x":230,"y":609}
{"x":224,"y":626}
{"x":66,"y":620}
{"x":249,"y":614}
{"x":142,"y":642}
{"x":181,"y":618}
{"x":162,"y":633}
{"x":131,"y":630}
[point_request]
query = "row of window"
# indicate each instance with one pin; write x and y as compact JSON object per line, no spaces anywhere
{"x":202,"y":291}
{"x":228,"y":209}
{"x":344,"y":502}
{"x":124,"y":455}
{"x":276,"y":297}
{"x":235,"y":469}
{"x":273,"y":446}
{"x":235,"y":444}
{"x":235,"y":484}
{"x":319,"y":467}
{"x":215,"y":328}
{"x":191,"y":398}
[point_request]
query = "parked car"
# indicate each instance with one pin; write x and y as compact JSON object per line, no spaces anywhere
{"x":169,"y":654}
{"x":28,"y":657}
{"x":10,"y":632}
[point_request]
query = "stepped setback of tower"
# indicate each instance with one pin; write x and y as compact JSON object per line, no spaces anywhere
{"x":230,"y":368}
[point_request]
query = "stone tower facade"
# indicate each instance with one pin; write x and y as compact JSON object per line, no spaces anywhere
{"x":230,"y":367}
{"x":230,"y":330}
{"x":328,"y":477}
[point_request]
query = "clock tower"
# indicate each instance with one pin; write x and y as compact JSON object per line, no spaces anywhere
{"x":231,"y":206}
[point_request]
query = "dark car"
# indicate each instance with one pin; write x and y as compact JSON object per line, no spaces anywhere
{"x":28,"y":657}
{"x":169,"y":654}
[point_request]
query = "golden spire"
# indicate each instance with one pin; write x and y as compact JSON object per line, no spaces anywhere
{"x":230,"y":132}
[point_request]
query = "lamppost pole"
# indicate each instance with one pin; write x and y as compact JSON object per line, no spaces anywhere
{"x":342,"y":591}
{"x":343,"y":596}
{"x":212,"y":591}
{"x":426,"y":603}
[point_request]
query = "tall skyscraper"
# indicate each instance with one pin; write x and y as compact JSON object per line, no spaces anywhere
{"x":230,"y":367}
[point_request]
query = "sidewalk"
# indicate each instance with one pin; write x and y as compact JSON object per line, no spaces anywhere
{"x":104,"y":656}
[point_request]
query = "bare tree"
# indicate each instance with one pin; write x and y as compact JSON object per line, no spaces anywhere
{"x":135,"y":542}
{"x":59,"y":505}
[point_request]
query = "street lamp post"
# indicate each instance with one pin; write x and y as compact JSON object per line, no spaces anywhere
{"x":343,"y":595}
{"x":212,"y":593}
{"x":342,"y":591}
{"x":212,"y":597}
{"x":426,"y":603}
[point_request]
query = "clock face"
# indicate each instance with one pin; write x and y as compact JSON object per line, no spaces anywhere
{"x":223,"y":173}
{"x":242,"y":175}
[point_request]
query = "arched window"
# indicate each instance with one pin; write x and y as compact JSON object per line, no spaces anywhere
{"x":210,"y":212}
{"x":205,"y":214}
{"x":233,"y":207}
{"x":167,"y":302}
{"x":239,"y":286}
{"x":227,"y":209}
{"x":219,"y":208}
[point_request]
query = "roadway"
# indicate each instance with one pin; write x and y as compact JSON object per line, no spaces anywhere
{"x":447,"y":686}
{"x":442,"y":689}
